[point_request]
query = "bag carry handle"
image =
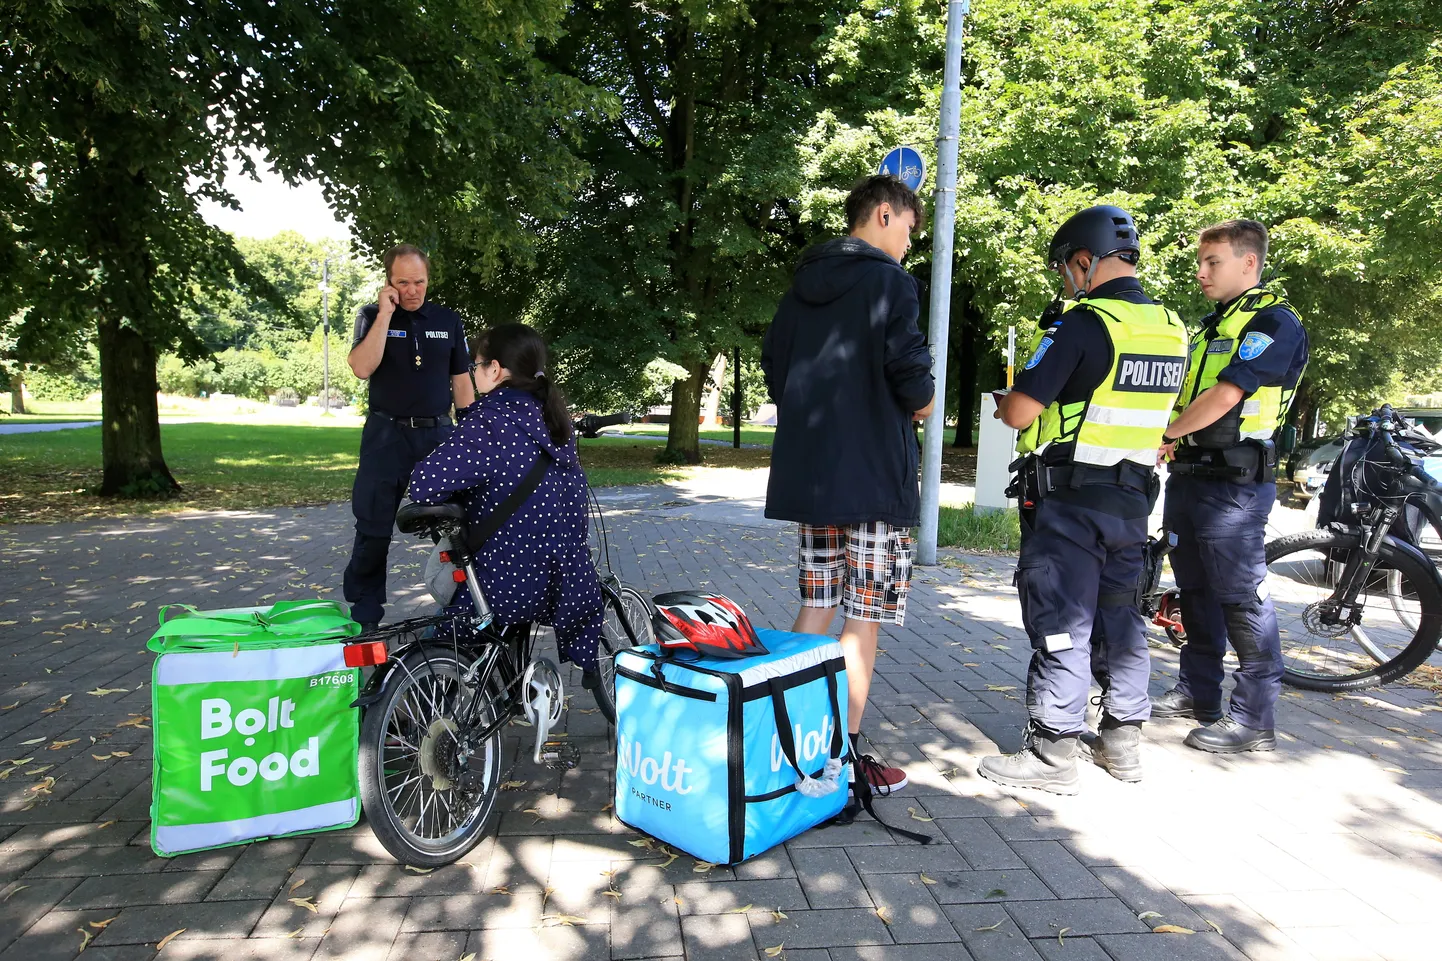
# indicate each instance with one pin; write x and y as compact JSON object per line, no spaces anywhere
{"x":830,"y":779}
{"x":286,"y":620}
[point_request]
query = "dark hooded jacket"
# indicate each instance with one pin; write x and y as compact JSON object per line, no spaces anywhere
{"x":846,"y":366}
{"x":537,"y":567}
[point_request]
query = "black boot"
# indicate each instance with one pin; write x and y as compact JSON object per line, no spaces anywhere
{"x":1176,"y":704}
{"x":1046,"y":762}
{"x":1228,"y":736}
{"x":1118,"y":748}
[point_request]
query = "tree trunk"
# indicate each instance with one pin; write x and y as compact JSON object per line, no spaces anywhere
{"x":716,"y":376}
{"x":17,"y":393}
{"x":683,"y":440}
{"x":966,"y":358}
{"x":130,"y":438}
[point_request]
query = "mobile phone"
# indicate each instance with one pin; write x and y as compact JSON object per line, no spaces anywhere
{"x":997,"y":395}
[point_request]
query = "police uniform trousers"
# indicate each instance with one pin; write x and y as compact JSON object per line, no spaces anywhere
{"x":1078,"y":573}
{"x":389,"y":452}
{"x":1220,"y":564}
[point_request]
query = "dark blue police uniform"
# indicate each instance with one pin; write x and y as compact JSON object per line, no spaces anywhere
{"x":1220,"y":559}
{"x":1081,"y":546}
{"x":410,"y":403}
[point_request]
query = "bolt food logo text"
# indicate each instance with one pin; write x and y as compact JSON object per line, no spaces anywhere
{"x":1149,"y":373}
{"x":216,"y":720}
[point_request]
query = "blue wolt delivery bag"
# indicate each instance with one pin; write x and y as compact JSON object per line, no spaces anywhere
{"x":725,"y":759}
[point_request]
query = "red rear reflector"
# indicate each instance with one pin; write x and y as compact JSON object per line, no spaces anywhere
{"x":366,"y":654}
{"x":458,"y":576}
{"x":445,"y":557}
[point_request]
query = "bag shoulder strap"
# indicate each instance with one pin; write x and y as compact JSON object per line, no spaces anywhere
{"x":507,"y":508}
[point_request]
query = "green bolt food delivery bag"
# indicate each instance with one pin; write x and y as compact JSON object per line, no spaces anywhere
{"x":254,"y":733}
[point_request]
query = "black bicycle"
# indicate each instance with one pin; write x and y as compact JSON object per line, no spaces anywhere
{"x":1356,"y":605}
{"x":431,"y":761}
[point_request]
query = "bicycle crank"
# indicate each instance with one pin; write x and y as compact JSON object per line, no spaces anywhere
{"x":543,"y":698}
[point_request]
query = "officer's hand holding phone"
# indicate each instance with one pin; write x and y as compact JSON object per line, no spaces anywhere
{"x":389,"y":299}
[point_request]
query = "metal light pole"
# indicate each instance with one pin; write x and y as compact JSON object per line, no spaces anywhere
{"x":943,"y":229}
{"x":325,"y":330}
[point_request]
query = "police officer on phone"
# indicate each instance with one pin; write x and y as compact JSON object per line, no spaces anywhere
{"x":1099,"y":387}
{"x":1246,"y":362}
{"x":415,"y":356}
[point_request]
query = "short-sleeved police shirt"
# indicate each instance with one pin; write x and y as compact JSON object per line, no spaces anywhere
{"x":436,"y":337}
{"x":1068,"y":365}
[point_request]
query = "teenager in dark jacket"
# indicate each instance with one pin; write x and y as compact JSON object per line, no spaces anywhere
{"x":537,"y":567}
{"x":849,"y":371}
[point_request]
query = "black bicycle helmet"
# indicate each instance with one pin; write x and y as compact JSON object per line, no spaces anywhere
{"x":1103,"y":230}
{"x":711,"y":625}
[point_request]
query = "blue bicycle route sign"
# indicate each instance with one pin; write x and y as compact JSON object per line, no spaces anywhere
{"x":906,"y":165}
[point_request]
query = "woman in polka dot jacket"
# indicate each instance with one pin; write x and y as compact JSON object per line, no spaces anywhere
{"x":537,"y":567}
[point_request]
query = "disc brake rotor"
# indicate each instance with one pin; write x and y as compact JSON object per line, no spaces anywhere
{"x":1312,"y":618}
{"x":438,"y":747}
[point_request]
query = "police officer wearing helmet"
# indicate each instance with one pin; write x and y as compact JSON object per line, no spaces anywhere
{"x":1099,"y":389}
{"x":1246,"y":362}
{"x":415,"y":356}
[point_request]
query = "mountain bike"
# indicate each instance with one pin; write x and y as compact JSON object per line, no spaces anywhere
{"x":444,"y":689}
{"x":1356,"y":605}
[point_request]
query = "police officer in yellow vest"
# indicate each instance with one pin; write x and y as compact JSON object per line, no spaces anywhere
{"x":1246,"y":362}
{"x":1099,"y":389}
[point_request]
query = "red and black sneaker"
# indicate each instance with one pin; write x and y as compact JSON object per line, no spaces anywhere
{"x":883,"y":780}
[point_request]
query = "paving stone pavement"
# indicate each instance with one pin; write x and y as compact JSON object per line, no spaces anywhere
{"x":1329,"y":849}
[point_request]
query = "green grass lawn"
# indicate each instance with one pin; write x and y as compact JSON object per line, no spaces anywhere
{"x":992,"y":531}
{"x":749,"y":435}
{"x":242,"y":465}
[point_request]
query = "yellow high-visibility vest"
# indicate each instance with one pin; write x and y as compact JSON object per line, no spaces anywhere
{"x":1255,"y":417}
{"x":1126,"y":414}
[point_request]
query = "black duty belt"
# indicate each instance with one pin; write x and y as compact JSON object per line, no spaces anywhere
{"x":441,"y":421}
{"x":1124,"y":474}
{"x":1244,"y":462}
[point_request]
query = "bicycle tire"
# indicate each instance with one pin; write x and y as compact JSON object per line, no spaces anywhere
{"x":1356,"y":668}
{"x":388,"y":825}
{"x":1430,"y":546}
{"x":615,"y":639}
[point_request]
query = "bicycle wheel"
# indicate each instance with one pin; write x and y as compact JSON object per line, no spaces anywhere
{"x":1302,"y":572}
{"x":1430,"y":543}
{"x":412,"y":761}
{"x":624,"y":606}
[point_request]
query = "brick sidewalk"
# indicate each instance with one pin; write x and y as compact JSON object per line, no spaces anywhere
{"x":1329,"y":849}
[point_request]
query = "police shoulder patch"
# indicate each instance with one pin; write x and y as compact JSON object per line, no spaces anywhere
{"x":1253,"y":344}
{"x":1041,"y":349}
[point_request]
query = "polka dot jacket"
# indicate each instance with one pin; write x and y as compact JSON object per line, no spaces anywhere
{"x":538,"y":566}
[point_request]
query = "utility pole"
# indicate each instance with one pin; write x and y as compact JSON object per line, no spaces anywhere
{"x":942,"y":236}
{"x":325,"y":330}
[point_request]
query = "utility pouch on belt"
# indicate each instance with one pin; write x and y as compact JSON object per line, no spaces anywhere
{"x":1032,"y":480}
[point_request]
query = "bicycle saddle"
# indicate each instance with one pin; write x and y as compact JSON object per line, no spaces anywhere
{"x":414,"y":518}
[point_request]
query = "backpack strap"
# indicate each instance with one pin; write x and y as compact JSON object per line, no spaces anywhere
{"x":507,"y":508}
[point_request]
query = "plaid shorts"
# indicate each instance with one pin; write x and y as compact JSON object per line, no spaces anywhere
{"x":864,"y":567}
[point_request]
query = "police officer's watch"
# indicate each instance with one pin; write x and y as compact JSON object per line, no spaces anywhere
{"x":1169,"y":440}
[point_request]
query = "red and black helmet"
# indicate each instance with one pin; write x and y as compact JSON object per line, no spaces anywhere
{"x":712,"y":625}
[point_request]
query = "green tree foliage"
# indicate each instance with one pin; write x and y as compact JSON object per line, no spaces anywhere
{"x":683,"y":236}
{"x":431,"y":122}
{"x":1318,"y":117}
